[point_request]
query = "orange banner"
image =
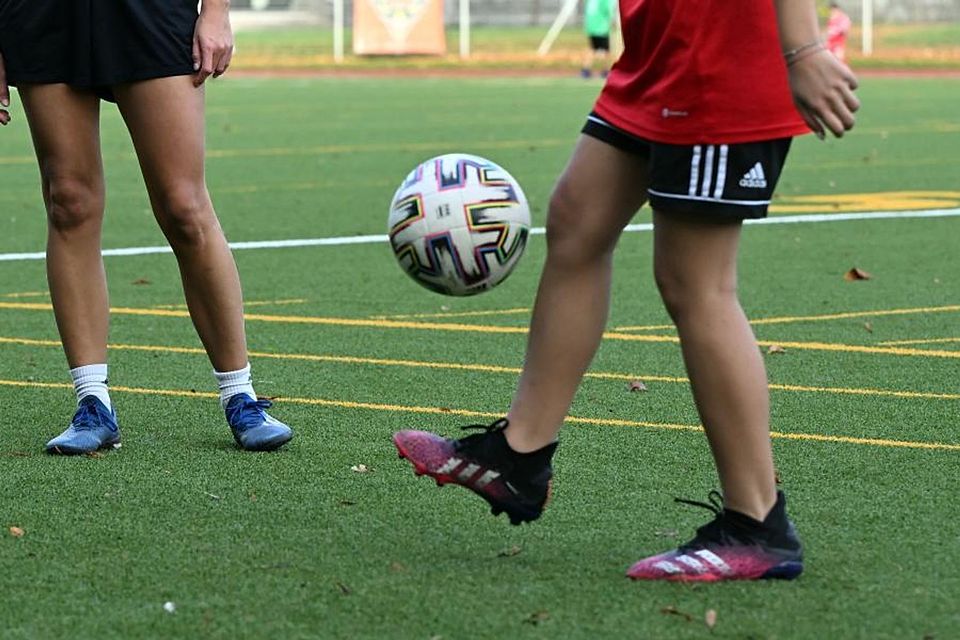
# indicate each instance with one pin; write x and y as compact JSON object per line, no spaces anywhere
{"x":398,"y":27}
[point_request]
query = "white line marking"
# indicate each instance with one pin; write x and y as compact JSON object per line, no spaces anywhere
{"x":536,"y":231}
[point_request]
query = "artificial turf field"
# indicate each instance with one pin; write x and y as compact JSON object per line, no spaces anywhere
{"x":295,"y":544}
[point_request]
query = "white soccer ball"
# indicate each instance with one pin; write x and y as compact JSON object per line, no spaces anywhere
{"x":458,"y":224}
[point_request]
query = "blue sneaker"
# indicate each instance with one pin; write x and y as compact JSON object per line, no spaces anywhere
{"x":253,"y":428}
{"x":93,"y":427}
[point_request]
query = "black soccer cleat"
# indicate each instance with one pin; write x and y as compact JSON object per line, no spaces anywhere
{"x":732,"y":546}
{"x":515,"y":483}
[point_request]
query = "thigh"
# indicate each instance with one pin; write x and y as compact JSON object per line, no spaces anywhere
{"x":600,"y":190}
{"x":65,"y":126}
{"x":165,"y":118}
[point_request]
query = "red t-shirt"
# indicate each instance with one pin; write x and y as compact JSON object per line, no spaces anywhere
{"x":700,"y":71}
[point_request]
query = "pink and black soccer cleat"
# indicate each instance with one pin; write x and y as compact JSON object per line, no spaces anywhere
{"x":515,"y":483}
{"x":732,"y":546}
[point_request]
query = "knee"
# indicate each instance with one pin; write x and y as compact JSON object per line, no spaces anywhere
{"x":574,"y":236}
{"x":687,"y":294}
{"x":186,"y":217}
{"x":73,"y":204}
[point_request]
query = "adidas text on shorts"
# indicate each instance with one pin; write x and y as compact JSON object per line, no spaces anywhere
{"x":722,"y":181}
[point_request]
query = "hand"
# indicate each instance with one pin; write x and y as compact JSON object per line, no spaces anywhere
{"x":4,"y":94}
{"x":823,"y":92}
{"x":212,"y":44}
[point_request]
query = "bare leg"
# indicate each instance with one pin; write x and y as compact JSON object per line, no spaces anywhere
{"x":166,"y":121}
{"x":696,"y":271}
{"x":598,"y":193}
{"x":65,"y":125}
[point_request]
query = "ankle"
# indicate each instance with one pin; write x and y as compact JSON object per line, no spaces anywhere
{"x":522,"y":442}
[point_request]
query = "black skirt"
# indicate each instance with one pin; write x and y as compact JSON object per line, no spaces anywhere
{"x":95,"y":44}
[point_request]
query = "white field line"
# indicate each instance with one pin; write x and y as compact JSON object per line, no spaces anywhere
{"x":374,"y":239}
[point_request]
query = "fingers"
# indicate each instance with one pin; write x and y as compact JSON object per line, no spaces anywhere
{"x":812,"y":122}
{"x":823,"y":90}
{"x":4,"y":94}
{"x":204,"y":66}
{"x":196,"y":52}
{"x":223,"y":62}
{"x":210,"y":59}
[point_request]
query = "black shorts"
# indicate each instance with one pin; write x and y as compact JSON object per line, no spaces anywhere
{"x":600,"y":43}
{"x":96,"y":44}
{"x":721,"y":181}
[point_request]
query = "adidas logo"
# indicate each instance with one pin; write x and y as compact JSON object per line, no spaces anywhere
{"x":468,"y":473}
{"x":754,"y":179}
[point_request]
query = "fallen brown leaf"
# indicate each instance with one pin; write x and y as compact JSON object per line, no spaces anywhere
{"x":17,"y":532}
{"x":710,"y":618}
{"x":93,"y":454}
{"x":776,"y":476}
{"x":673,"y":611}
{"x":397,"y":567}
{"x":140,"y":281}
{"x":856,"y":273}
{"x":346,"y":503}
{"x":868,"y":326}
{"x":775,"y":348}
{"x":509,"y":553}
{"x":344,"y":589}
{"x":637,"y":385}
{"x":536,"y":617}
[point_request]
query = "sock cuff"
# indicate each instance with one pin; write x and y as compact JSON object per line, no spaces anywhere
{"x":89,"y":372}
{"x":233,"y":377}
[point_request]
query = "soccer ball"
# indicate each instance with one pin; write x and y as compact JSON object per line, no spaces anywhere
{"x":459,"y":224}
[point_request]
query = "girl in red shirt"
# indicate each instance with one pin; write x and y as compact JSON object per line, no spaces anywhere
{"x":696,"y":118}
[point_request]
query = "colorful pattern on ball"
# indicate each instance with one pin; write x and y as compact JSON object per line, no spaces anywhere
{"x":458,"y":224}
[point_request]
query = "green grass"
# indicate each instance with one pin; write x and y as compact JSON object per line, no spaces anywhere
{"x":296,"y":545}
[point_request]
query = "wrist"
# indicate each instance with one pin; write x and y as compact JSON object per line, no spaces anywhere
{"x":219,"y":6}
{"x":800,"y":52}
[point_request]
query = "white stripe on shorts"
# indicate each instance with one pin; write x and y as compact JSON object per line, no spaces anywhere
{"x":721,"y":172}
{"x":707,"y":172}
{"x":694,"y":170}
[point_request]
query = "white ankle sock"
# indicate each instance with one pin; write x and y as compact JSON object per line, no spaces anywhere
{"x":232,"y":383}
{"x":91,"y":380}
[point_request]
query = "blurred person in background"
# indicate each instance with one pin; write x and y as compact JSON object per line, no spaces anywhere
{"x":838,"y":27}
{"x":597,"y":23}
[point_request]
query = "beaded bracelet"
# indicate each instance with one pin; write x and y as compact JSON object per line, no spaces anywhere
{"x":793,"y":55}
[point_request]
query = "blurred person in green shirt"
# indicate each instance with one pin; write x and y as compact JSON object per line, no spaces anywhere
{"x":597,"y":21}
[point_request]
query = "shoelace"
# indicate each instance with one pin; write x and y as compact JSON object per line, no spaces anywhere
{"x":714,"y":531}
{"x":496,"y":425}
{"x":715,"y":505}
{"x":249,"y":414}
{"x":86,"y":418}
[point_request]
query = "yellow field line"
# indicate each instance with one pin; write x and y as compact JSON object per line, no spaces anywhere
{"x":928,"y":341}
{"x":486,"y":368}
{"x":845,"y":315}
{"x":246,"y":303}
{"x":853,"y":348}
{"x":460,"y":314}
{"x":375,"y":406}
{"x":480,"y":328}
{"x":26,"y":294}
